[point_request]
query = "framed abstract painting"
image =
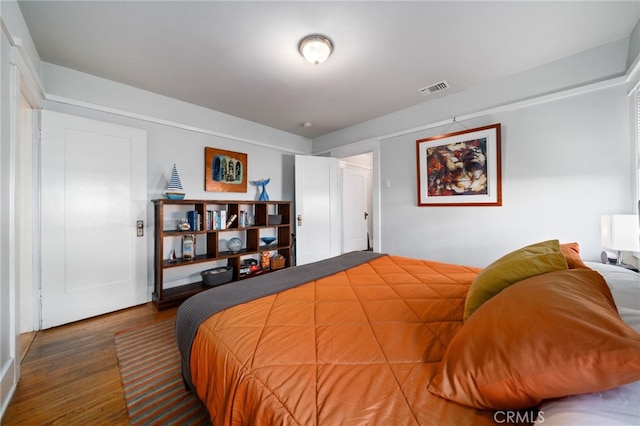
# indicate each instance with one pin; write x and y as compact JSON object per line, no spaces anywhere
{"x":225,"y":171}
{"x":460,"y":169}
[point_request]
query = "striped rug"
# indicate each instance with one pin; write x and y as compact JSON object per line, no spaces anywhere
{"x":150,"y":373}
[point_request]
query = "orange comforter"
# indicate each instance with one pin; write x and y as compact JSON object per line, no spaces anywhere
{"x":358,"y":347}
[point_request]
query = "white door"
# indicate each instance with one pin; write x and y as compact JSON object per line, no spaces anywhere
{"x":355,"y":212}
{"x":93,"y":192}
{"x":317,"y":216}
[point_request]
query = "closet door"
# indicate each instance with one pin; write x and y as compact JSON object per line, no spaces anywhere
{"x":93,"y":193}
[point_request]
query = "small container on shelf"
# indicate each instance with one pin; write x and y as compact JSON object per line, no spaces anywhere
{"x":248,"y":267}
{"x":277,"y":262}
{"x":183,"y":225}
{"x":274,"y":219}
{"x":267,"y":240}
{"x":188,"y":247}
{"x":265,"y":261}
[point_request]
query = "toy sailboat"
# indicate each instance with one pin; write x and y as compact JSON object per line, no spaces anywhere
{"x":174,"y":189}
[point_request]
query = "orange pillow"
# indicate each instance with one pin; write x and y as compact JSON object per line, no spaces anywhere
{"x":548,"y":336}
{"x":571,"y":252}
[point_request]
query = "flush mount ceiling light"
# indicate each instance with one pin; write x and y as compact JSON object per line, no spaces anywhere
{"x":315,"y":48}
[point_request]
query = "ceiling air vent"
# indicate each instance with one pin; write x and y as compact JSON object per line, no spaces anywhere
{"x":441,"y":85}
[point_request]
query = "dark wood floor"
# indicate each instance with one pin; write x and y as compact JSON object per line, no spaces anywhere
{"x":69,"y":374}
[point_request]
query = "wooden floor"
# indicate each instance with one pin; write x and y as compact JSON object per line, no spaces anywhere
{"x":69,"y":374}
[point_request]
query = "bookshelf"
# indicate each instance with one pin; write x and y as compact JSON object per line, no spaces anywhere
{"x":210,"y":248}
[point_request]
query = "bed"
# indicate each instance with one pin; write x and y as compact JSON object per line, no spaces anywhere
{"x":367,"y":338}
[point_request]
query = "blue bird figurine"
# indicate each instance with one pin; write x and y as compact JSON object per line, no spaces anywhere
{"x":262,"y":184}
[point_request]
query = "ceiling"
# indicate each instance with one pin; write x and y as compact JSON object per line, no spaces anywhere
{"x":241,"y":58}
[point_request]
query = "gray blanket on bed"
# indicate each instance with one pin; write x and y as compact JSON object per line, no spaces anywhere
{"x":201,"y":306}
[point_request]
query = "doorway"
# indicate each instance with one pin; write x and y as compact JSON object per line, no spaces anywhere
{"x":19,"y":230}
{"x":27,"y":207}
{"x":356,"y":202}
{"x":319,"y":220}
{"x":370,"y":152}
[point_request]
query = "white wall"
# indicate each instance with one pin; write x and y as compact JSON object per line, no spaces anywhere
{"x":12,"y":18}
{"x":9,"y":367}
{"x":178,"y":132}
{"x":7,"y":244}
{"x":566,"y":159}
{"x":70,"y":86}
{"x":595,"y":65}
{"x":564,"y":163}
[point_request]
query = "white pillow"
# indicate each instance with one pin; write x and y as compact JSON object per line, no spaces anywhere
{"x":619,"y":406}
{"x":624,"y":284}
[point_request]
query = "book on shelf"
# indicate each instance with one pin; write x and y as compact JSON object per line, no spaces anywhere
{"x":192,"y":218}
{"x":231,"y":220}
{"x":223,"y":219}
{"x":215,"y":220}
{"x":210,"y":221}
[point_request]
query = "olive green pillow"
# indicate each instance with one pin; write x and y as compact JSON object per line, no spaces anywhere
{"x":518,"y":265}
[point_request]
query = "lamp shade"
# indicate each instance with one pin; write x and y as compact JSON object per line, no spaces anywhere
{"x":620,"y":232}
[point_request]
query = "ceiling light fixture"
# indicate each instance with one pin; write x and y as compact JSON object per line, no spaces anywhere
{"x":315,"y":48}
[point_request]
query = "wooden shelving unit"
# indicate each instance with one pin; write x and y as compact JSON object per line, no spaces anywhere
{"x":166,"y":229}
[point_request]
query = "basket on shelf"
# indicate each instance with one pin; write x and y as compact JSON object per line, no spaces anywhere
{"x":277,"y":262}
{"x":217,"y":276}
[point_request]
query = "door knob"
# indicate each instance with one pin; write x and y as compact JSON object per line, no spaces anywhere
{"x":299,"y":220}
